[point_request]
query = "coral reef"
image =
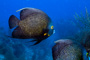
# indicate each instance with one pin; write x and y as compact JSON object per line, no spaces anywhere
{"x":14,"y":49}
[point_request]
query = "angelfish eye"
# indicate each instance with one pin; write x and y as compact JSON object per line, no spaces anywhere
{"x":87,"y":54}
{"x":52,"y":27}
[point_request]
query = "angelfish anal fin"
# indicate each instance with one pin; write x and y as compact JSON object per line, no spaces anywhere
{"x":38,"y":41}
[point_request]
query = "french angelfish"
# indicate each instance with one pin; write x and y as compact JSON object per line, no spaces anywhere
{"x":33,"y":24}
{"x":66,"y":49}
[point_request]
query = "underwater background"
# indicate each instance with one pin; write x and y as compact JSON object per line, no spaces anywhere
{"x":62,"y":13}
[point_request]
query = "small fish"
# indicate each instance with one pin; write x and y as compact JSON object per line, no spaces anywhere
{"x":84,"y":38}
{"x":66,"y":49}
{"x":33,"y":24}
{"x":87,"y":44}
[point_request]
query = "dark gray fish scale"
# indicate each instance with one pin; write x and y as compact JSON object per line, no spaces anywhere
{"x":34,"y":24}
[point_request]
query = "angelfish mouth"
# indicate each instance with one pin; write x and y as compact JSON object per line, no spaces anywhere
{"x":53,"y":31}
{"x":88,"y":52}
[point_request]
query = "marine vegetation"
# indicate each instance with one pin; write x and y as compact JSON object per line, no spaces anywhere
{"x":83,"y":36}
{"x":83,"y":21}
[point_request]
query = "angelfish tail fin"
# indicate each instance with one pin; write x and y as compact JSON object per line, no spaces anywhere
{"x":13,"y":21}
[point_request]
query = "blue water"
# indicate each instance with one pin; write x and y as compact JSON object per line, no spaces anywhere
{"x":60,"y":11}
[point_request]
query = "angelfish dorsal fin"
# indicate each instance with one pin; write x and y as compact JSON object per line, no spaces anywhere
{"x":13,"y":21}
{"x":27,"y":11}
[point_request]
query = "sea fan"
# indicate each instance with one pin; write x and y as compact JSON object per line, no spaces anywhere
{"x":83,"y":22}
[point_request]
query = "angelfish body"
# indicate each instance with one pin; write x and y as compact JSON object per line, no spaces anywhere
{"x":33,"y":23}
{"x":66,"y":49}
